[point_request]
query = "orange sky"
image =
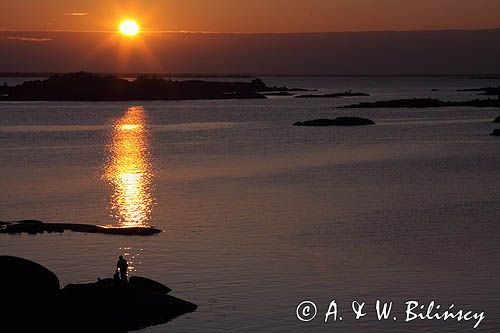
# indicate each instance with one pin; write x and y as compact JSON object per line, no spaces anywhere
{"x":251,"y":15}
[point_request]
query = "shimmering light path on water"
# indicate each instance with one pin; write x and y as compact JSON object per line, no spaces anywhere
{"x":129,"y":170}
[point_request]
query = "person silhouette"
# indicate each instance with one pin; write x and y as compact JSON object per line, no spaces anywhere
{"x":116,"y":278}
{"x":122,"y":266}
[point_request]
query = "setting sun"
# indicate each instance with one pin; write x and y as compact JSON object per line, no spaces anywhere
{"x":129,"y":28}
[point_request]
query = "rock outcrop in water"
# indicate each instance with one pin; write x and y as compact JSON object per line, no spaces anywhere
{"x":340,"y":121}
{"x":34,"y":227}
{"x":497,"y":120}
{"x":279,"y":93}
{"x":496,"y":132}
{"x":486,"y":91}
{"x":32,"y":302}
{"x":422,"y":103}
{"x":335,"y":95}
{"x":90,"y":87}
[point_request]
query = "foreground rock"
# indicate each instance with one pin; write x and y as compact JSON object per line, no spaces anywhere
{"x":340,"y":121}
{"x":423,"y":103}
{"x":34,"y":227}
{"x":496,"y":132}
{"x":24,"y":276}
{"x":94,"y":307}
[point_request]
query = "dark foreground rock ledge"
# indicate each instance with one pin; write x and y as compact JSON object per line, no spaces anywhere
{"x":31,"y":301}
{"x":340,"y":121}
{"x":34,"y":227}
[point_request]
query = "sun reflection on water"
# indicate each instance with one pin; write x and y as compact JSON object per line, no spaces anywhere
{"x":129,"y":170}
{"x":133,"y":257}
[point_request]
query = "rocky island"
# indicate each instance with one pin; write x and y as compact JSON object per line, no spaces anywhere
{"x":32,"y":301}
{"x":279,"y":93}
{"x":486,"y":91}
{"x":84,"y":86}
{"x":423,"y":103}
{"x":340,"y":121}
{"x":34,"y":227}
{"x":334,"y":95}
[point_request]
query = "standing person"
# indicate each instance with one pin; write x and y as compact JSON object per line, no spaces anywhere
{"x":122,"y":266}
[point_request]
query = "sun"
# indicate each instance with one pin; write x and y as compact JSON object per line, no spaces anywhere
{"x":129,"y":28}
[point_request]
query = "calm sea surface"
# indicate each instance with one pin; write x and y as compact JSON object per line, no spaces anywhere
{"x":259,"y":215}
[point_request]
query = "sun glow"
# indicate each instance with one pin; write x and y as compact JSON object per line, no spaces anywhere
{"x":129,"y":28}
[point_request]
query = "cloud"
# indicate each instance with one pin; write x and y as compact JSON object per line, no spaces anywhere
{"x":76,"y":14}
{"x":27,"y":39}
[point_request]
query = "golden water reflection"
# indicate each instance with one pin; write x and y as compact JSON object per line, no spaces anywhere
{"x":133,"y":256}
{"x":129,"y":170}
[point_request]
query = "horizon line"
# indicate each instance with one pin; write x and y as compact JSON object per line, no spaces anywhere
{"x":246,"y":75}
{"x":2,"y":30}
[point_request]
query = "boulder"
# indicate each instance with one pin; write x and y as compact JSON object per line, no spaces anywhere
{"x":22,"y":276}
{"x":340,"y":121}
{"x":496,"y":132}
{"x":148,"y":285}
{"x":497,"y":120}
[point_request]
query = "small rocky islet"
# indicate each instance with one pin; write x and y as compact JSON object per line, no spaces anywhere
{"x":423,"y":103}
{"x":279,"y":93}
{"x":335,"y":95}
{"x":484,"y":91}
{"x":339,"y":121}
{"x":32,"y":300}
{"x":496,"y":132}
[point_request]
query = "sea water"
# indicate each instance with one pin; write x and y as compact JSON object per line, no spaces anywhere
{"x":258,"y":215}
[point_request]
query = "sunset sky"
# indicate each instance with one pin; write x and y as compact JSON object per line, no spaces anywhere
{"x":251,"y":15}
{"x":252,"y":36}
